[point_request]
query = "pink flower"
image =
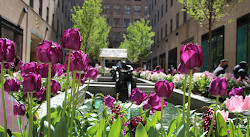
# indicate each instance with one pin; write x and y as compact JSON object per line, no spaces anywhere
{"x":11,"y":85}
{"x":163,"y":88}
{"x":224,"y":114}
{"x":78,"y":61}
{"x":41,"y":94}
{"x":55,"y":87}
{"x":137,"y":96}
{"x":19,"y":110}
{"x":59,"y":69}
{"x":191,"y":56}
{"x":109,"y":101}
{"x":92,"y":73}
{"x":183,"y":70}
{"x":235,"y":104}
{"x":7,"y":50}
{"x":247,"y":103}
{"x":218,"y":87}
{"x":30,"y":67}
{"x":236,"y":91}
{"x":31,"y":82}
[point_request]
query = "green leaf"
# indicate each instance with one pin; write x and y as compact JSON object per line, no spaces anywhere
{"x":223,"y":132}
{"x":221,"y":126}
{"x":181,"y":131}
{"x":17,"y":134}
{"x":2,"y":132}
{"x":152,"y":132}
{"x":171,"y":128}
{"x":93,"y":130}
{"x":61,"y":129}
{"x":157,"y":116}
{"x":178,"y":120}
{"x":239,"y":132}
{"x":140,"y":131}
{"x":52,"y":129}
{"x":116,"y":128}
{"x":100,"y":131}
{"x":231,"y":129}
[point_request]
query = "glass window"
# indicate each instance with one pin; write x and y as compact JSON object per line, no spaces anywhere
{"x":166,"y":30}
{"x":217,"y":53}
{"x":47,"y":14}
{"x":62,"y":5}
{"x":58,"y":3}
{"x":137,"y":9}
{"x":158,"y":37}
{"x":243,"y":40}
{"x":116,"y":22}
{"x":117,"y":9}
{"x":106,"y":8}
{"x":135,"y":20}
{"x":40,"y":7}
{"x":161,"y":33}
{"x":158,"y":16}
{"x":161,"y":10}
{"x":57,"y":29}
{"x":31,"y":3}
{"x":155,"y":19}
{"x":177,"y":20}
{"x":116,"y":36}
{"x":172,"y":57}
{"x":126,"y":22}
{"x":53,"y":25}
{"x":172,"y":3}
{"x":184,"y":15}
{"x":166,"y":6}
{"x":107,"y":21}
{"x":154,"y":62}
{"x":146,"y":10}
{"x":127,"y":9}
{"x":171,"y":25}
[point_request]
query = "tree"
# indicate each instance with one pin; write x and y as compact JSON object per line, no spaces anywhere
{"x":138,"y":40}
{"x":93,"y":27}
{"x":209,"y":12}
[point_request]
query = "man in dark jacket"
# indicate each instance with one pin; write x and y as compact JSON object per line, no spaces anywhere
{"x":241,"y":70}
{"x":221,"y":68}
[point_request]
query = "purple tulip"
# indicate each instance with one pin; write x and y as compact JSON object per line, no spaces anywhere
{"x":7,"y":50}
{"x":154,"y":102}
{"x":218,"y":87}
{"x":49,"y":51}
{"x":236,"y":91}
{"x":191,"y":56}
{"x":30,"y":67}
{"x":55,"y":87}
{"x":183,"y":70}
{"x":109,"y":101}
{"x":11,"y":85}
{"x":71,"y":39}
{"x":44,"y":70}
{"x":82,"y":77}
{"x":19,"y":110}
{"x":41,"y":94}
{"x":137,"y":96}
{"x":77,"y":61}
{"x":92,"y":73}
{"x":164,"y":89}
{"x":31,"y":82}
{"x":59,"y":69}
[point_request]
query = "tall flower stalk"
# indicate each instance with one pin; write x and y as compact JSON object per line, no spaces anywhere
{"x":3,"y":99}
{"x":189,"y":101}
{"x":184,"y":98}
{"x":162,"y":102}
{"x":30,"y":100}
{"x":214,"y":117}
{"x":48,"y":95}
{"x":72,"y":99}
{"x":66,"y":88}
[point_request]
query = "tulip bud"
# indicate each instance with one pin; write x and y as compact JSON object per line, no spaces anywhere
{"x":11,"y":85}
{"x":218,"y":87}
{"x":7,"y":50}
{"x":109,"y":101}
{"x":31,"y":82}
{"x":19,"y":110}
{"x":137,"y":96}
{"x":164,"y":89}
{"x":71,"y":39}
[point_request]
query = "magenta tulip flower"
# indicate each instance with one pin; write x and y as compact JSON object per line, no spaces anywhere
{"x":137,"y":96}
{"x":82,"y":77}
{"x":19,"y":110}
{"x":49,"y":51}
{"x":30,"y":67}
{"x":59,"y":69}
{"x":7,"y":50}
{"x":92,"y":73}
{"x":55,"y":87}
{"x":71,"y":39}
{"x":31,"y":82}
{"x":183,"y":70}
{"x":191,"y":56}
{"x":235,"y":104}
{"x":44,"y":70}
{"x":41,"y":94}
{"x":78,"y":60}
{"x":109,"y":101}
{"x":247,"y":103}
{"x":164,"y":89}
{"x":218,"y":87}
{"x":11,"y":85}
{"x":236,"y":91}
{"x":154,"y":103}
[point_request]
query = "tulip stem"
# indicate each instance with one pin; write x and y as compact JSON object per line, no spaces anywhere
{"x":66,"y":88}
{"x":20,"y":125}
{"x":127,"y":108}
{"x":248,"y":132}
{"x":72,"y":98}
{"x":77,"y":92}
{"x":214,"y":117}
{"x":30,"y":100}
{"x":184,"y":97}
{"x":189,"y":101}
{"x":48,"y":94}
{"x":3,"y":99}
{"x":162,"y":101}
{"x":83,"y":95}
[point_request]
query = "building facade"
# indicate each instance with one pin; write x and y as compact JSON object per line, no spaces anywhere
{"x":119,"y":14}
{"x":28,"y":22}
{"x":174,"y":27}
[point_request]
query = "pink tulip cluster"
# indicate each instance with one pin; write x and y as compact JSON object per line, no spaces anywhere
{"x":236,"y":104}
